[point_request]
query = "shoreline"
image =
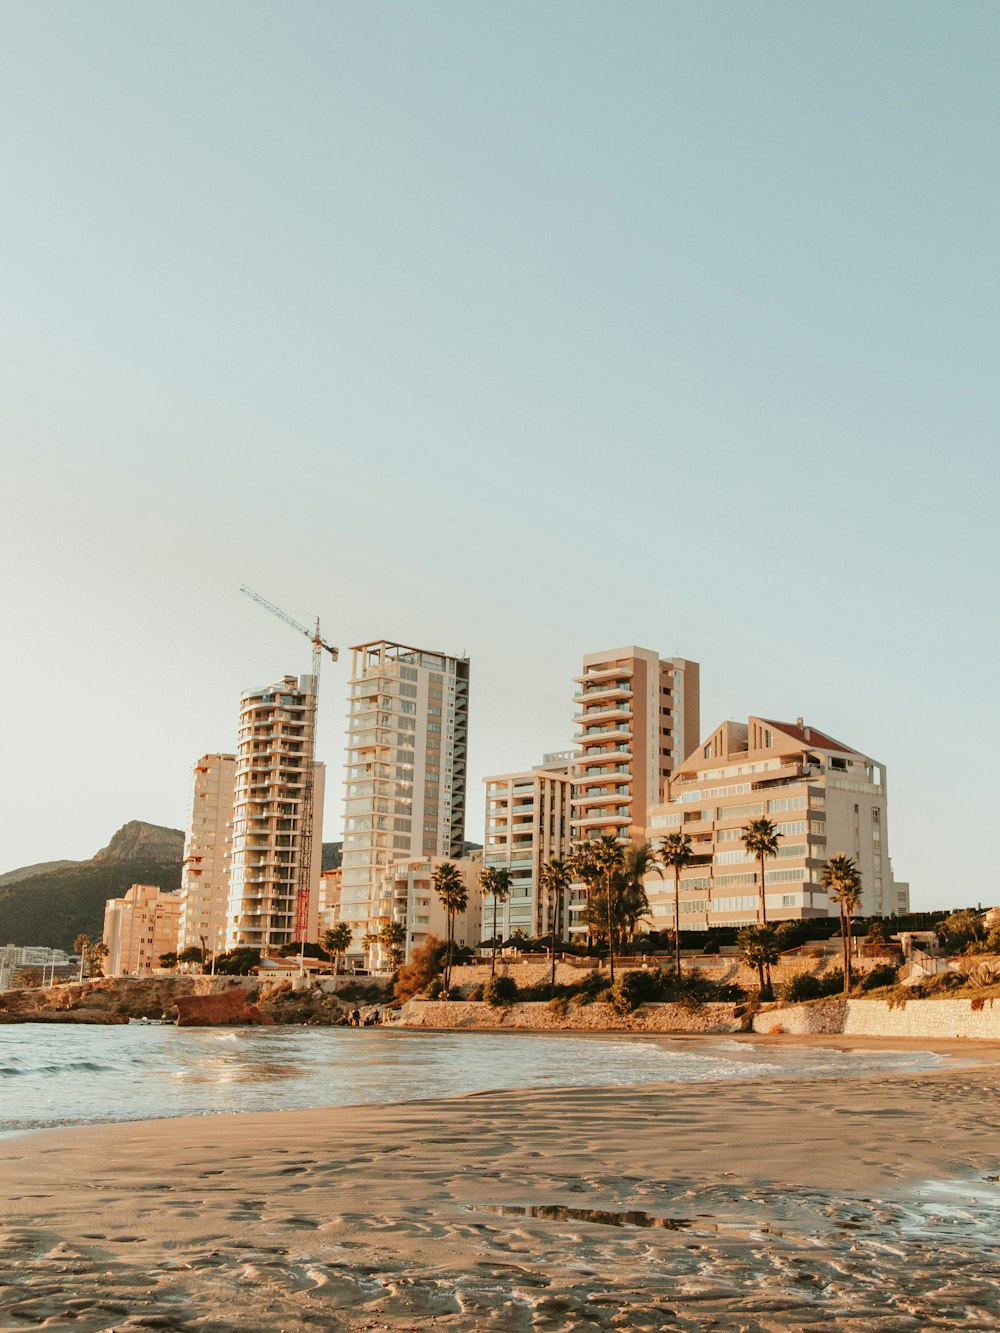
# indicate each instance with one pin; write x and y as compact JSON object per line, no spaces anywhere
{"x":774,"y":1201}
{"x":953,"y":1055}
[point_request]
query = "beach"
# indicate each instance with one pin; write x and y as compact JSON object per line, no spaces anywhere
{"x":860,"y":1203}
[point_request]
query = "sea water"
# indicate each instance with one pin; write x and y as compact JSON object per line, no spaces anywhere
{"x":53,"y":1075}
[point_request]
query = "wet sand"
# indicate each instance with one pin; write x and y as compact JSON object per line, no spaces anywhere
{"x":798,"y":1204}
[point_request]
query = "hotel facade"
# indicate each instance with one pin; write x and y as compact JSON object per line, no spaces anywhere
{"x":406,"y":775}
{"x":823,"y":797}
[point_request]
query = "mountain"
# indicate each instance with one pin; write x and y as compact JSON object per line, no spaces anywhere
{"x":53,"y":902}
{"x":27,"y":872}
{"x":51,"y":906}
{"x":136,"y":841}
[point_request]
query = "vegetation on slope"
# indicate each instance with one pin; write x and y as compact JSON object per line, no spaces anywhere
{"x":52,"y":909}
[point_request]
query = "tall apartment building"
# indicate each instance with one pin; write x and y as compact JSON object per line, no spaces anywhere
{"x":638,"y":716}
{"x":207,"y":852}
{"x":407,"y":754}
{"x":527,"y":822}
{"x":824,"y":798}
{"x":139,"y":929}
{"x":275,"y":745}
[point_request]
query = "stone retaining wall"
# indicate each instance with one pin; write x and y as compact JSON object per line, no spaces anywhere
{"x":537,"y":1016}
{"x":727,"y":970}
{"x":938,"y":1020}
{"x":525,"y":974}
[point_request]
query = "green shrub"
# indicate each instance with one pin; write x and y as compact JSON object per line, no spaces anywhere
{"x":634,"y":988}
{"x":435,"y":989}
{"x":559,"y":1005}
{"x":790,"y":934}
{"x":801,"y":987}
{"x":592,"y":983}
{"x":832,"y":983}
{"x":883,"y":975}
{"x":500,"y":991}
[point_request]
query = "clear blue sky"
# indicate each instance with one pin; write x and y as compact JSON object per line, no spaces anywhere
{"x":518,"y":329}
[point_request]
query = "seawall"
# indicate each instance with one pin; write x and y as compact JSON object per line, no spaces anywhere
{"x":939,"y":1020}
{"x":539,"y":1017}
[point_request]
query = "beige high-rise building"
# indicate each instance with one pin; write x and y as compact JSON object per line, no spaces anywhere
{"x":407,"y":756}
{"x":823,"y":797}
{"x":527,"y":822}
{"x":638,"y":715}
{"x":270,"y":837}
{"x":207,"y":853}
{"x":407,"y":897}
{"x":139,"y":929}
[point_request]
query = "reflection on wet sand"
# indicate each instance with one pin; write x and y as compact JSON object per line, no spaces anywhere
{"x":557,"y":1212}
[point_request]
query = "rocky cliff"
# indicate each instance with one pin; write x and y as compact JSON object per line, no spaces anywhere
{"x":191,"y":1001}
{"x":136,"y":841}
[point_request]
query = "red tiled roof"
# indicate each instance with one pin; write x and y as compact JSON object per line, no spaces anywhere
{"x":816,"y":738}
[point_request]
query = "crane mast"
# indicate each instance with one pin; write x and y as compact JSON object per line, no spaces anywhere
{"x":307,"y":818}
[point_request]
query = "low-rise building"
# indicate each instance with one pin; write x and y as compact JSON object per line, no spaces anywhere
{"x":45,"y":963}
{"x":139,"y":929}
{"x":407,"y":897}
{"x":824,"y":798}
{"x":527,"y":822}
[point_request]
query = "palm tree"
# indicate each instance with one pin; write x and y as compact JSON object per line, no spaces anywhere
{"x":454,"y":898}
{"x":392,"y":937}
{"x":638,"y":860}
{"x":335,"y":942}
{"x":97,"y":955}
{"x":368,"y":943}
{"x":553,"y":880}
{"x":759,"y":948}
{"x":760,"y":838}
{"x":598,"y":862}
{"x":842,"y":880}
{"x":675,"y":853}
{"x":495,"y":882}
{"x":81,"y":945}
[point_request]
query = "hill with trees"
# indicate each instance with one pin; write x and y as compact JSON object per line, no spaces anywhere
{"x":52,"y":906}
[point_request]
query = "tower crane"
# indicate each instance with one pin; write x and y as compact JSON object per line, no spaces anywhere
{"x":319,"y":647}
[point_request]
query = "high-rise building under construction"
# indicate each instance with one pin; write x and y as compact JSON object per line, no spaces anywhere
{"x":272,"y":829}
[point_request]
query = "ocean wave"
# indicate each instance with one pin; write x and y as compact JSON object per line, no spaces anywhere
{"x":62,"y":1067}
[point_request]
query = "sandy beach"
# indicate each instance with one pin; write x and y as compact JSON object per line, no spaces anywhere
{"x":861,"y":1204}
